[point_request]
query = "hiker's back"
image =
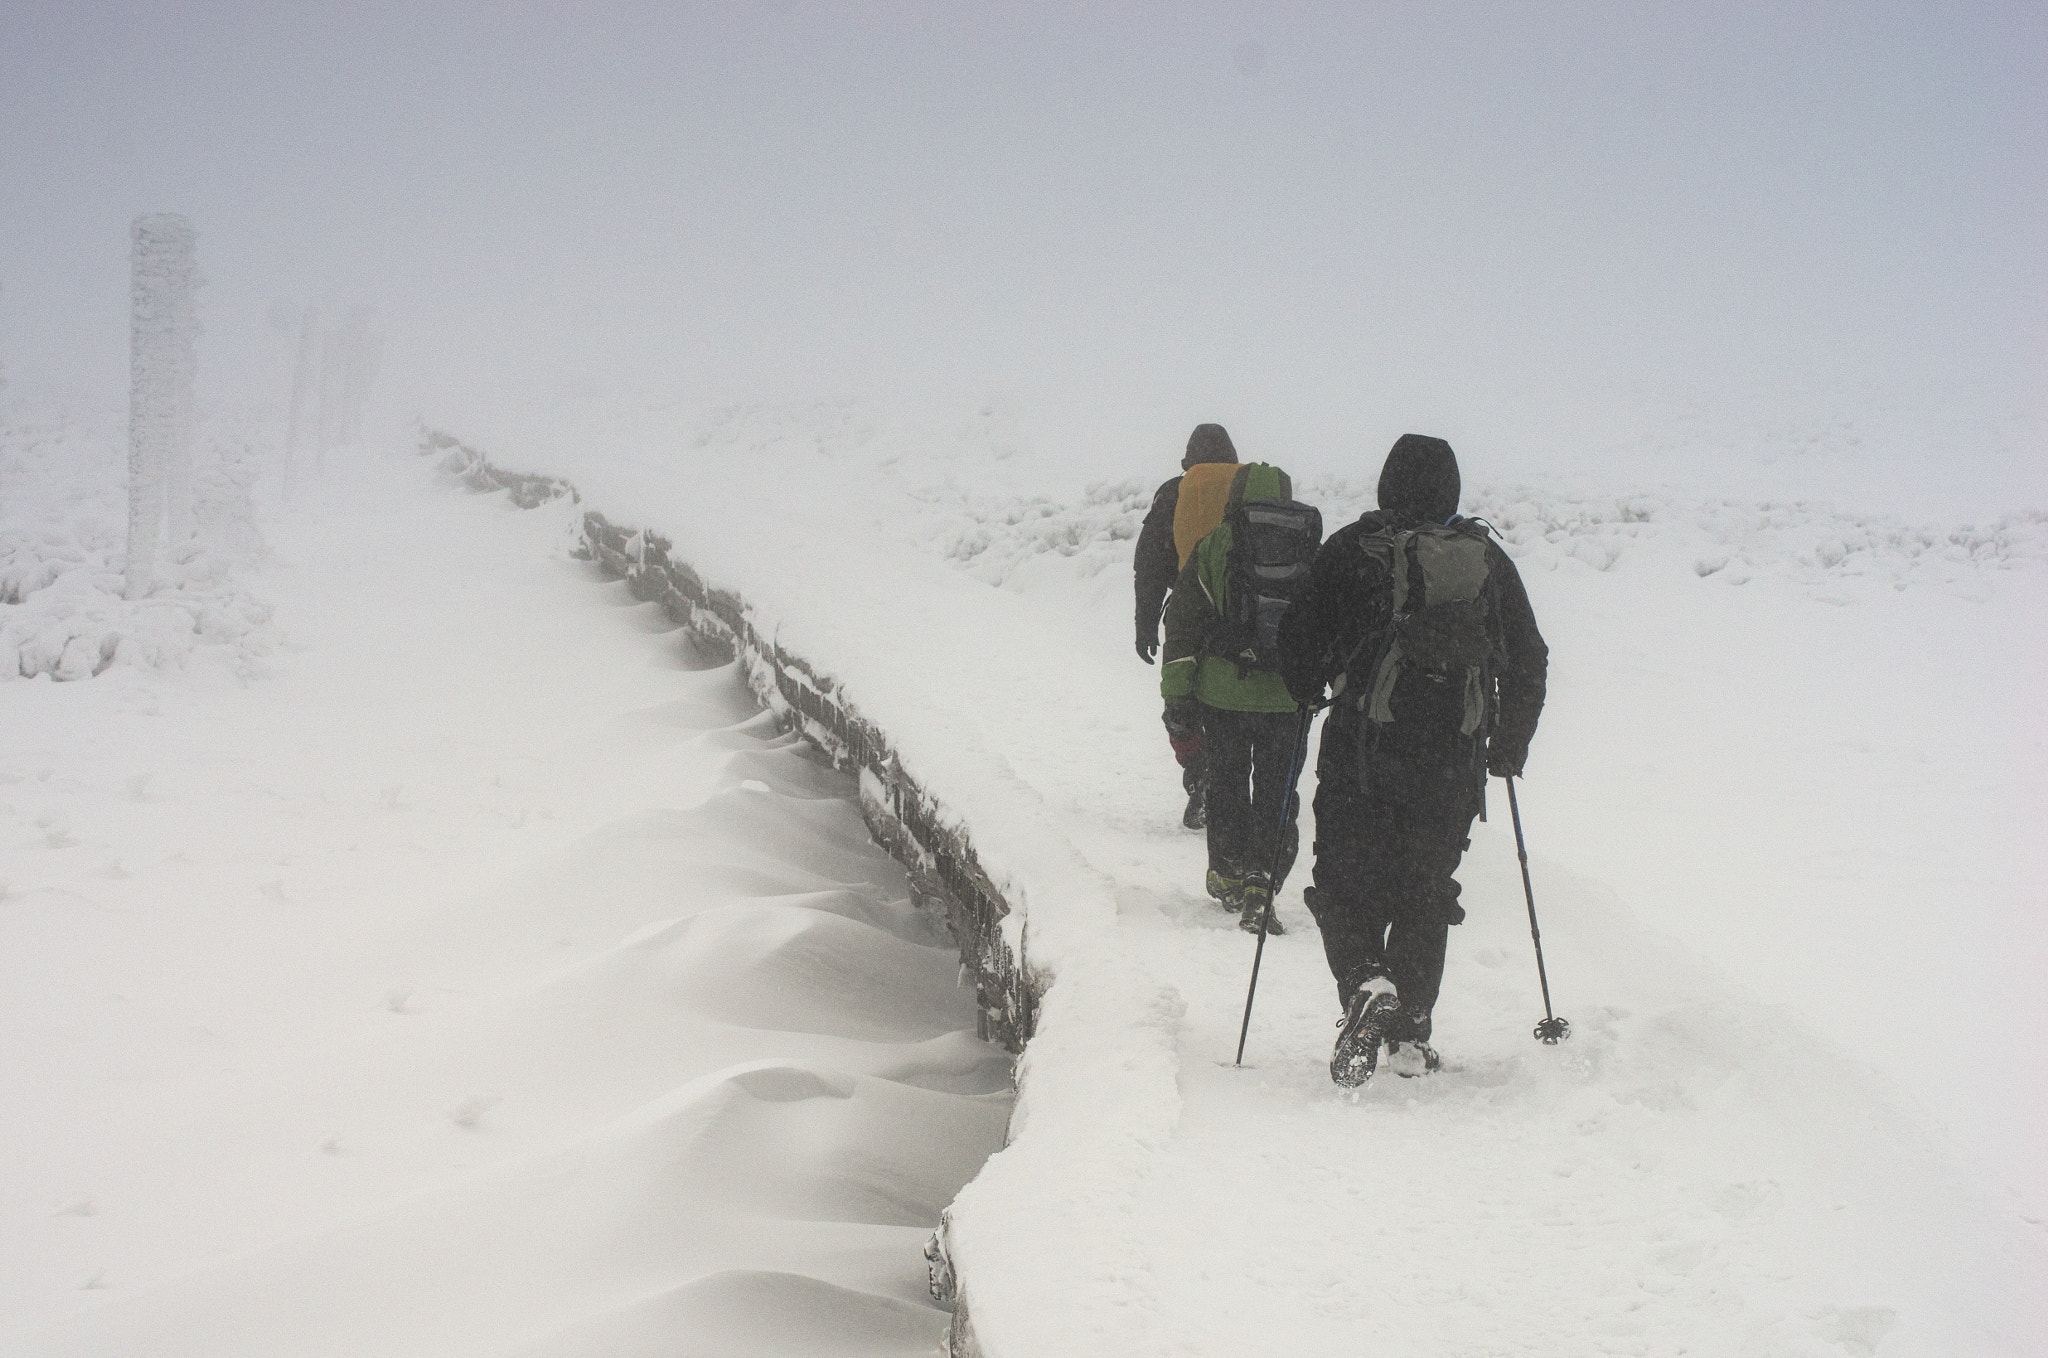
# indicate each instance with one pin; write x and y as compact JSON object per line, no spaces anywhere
{"x":1434,"y":642}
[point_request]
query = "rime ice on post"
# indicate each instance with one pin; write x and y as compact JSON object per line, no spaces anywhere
{"x":162,"y":359}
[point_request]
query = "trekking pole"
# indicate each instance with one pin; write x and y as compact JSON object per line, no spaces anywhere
{"x":1553,"y":1029}
{"x":1308,"y":715}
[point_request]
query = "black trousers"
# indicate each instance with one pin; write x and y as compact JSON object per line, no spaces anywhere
{"x":1390,"y":828}
{"x":1249,"y":756}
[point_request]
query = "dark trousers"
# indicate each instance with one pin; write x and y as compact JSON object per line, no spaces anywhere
{"x":1249,"y":757}
{"x":1390,"y":829}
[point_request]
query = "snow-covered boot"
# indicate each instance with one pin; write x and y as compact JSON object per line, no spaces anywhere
{"x":1227,"y":889}
{"x":1257,"y":899}
{"x":1197,"y":814}
{"x":1371,"y":1008}
{"x":1410,"y":1058}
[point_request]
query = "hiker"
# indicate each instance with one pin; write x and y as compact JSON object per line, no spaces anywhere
{"x":1164,"y":543}
{"x":1219,"y":679}
{"x":1419,"y":623}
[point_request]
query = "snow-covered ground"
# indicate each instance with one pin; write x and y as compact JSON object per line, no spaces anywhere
{"x":1781,"y":814}
{"x":1781,"y":811}
{"x":466,"y":975}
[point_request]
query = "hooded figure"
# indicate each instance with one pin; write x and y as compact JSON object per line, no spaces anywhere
{"x":1419,"y":483}
{"x":1209,"y":443}
{"x":1158,"y":560}
{"x":1418,"y":623}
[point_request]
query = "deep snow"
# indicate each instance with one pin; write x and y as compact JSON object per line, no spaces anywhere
{"x":1779,"y":808}
{"x":1780,"y":815}
{"x":471,"y":978}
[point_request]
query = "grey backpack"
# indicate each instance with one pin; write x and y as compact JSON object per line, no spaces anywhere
{"x":1440,"y":620}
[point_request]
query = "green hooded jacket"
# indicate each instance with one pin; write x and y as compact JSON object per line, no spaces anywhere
{"x":1201,"y":599}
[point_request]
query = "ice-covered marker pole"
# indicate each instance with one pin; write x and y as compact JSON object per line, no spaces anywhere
{"x":162,"y":363}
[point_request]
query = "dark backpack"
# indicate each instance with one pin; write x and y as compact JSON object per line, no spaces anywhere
{"x":1272,"y":545}
{"x":1439,"y":619}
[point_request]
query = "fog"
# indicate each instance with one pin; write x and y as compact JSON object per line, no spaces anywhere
{"x":1561,"y":235}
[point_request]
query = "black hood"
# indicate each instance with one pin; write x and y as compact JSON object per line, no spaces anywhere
{"x":1209,"y":443}
{"x":1420,"y":480}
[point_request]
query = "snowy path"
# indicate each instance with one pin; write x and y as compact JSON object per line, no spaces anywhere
{"x":481,"y":981}
{"x":1703,"y":1169}
{"x":1778,"y":840}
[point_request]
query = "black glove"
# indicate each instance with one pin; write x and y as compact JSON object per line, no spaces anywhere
{"x":1505,"y":761}
{"x":1148,"y":643}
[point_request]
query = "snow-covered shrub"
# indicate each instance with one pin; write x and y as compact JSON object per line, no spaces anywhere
{"x":63,"y":520}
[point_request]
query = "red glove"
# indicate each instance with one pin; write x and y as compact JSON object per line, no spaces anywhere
{"x":1183,"y":718}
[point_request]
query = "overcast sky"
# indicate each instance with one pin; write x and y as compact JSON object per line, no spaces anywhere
{"x":1518,"y":217}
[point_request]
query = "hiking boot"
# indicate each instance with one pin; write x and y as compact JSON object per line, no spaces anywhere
{"x":1227,"y":891}
{"x":1410,"y":1025}
{"x":1257,"y":902}
{"x":1364,"y":1026}
{"x":1411,"y":1058}
{"x":1196,"y":816}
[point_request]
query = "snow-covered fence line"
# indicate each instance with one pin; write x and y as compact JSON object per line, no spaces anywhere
{"x":474,"y":470}
{"x":903,"y":816}
{"x":1048,"y":1220}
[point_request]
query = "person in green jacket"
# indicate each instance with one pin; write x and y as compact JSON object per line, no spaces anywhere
{"x":1242,"y":720}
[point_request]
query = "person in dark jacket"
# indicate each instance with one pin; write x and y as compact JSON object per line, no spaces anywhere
{"x":1157,"y":564}
{"x":1418,"y":717}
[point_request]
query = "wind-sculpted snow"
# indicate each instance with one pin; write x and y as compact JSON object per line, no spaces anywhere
{"x":750,"y":1313}
{"x":800,"y":1143}
{"x":1773,"y":832}
{"x":63,"y":526}
{"x":507,"y":986}
{"x":802,"y":969}
{"x":1803,"y":765}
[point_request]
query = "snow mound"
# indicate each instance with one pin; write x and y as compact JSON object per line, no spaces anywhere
{"x":807,"y":1143}
{"x":766,"y":1167}
{"x":752,"y":1313}
{"x":785,"y":770}
{"x":714,"y":700}
{"x":63,"y":532}
{"x":827,"y":838}
{"x":799,"y":970}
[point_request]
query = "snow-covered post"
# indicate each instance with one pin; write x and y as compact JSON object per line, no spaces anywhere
{"x":303,"y":376}
{"x":162,"y":363}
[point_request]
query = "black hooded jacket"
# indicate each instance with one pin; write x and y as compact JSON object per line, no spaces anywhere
{"x":1350,"y":595}
{"x":1155,"y":564}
